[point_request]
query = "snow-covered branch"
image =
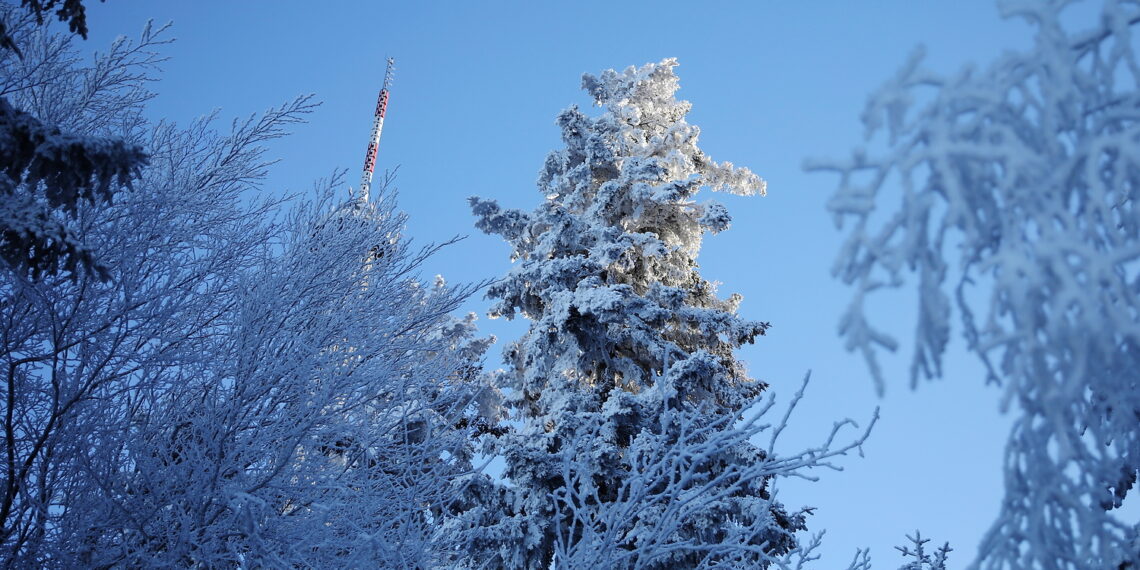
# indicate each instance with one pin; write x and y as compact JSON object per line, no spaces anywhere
{"x":1028,"y":172}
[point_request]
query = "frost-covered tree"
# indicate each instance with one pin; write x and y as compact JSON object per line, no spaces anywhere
{"x":626,"y":389}
{"x":48,"y":163}
{"x":242,"y":391}
{"x":322,"y":432}
{"x":1013,"y":191}
{"x":65,"y":343}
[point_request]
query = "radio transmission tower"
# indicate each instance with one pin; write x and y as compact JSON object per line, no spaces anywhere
{"x":377,"y":127}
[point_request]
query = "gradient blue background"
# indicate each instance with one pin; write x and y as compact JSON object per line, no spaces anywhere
{"x":476,"y":91}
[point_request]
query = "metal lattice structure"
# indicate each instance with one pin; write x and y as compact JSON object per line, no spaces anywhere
{"x":377,"y":128}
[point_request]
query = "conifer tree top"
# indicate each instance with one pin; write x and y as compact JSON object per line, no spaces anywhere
{"x":607,"y":266}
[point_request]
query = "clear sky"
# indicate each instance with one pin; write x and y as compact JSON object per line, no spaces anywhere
{"x":477,"y":87}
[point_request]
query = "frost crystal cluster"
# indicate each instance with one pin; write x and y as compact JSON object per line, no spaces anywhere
{"x":1028,"y":173}
{"x":625,"y":388}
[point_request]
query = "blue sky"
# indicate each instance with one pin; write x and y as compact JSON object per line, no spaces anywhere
{"x":476,"y":91}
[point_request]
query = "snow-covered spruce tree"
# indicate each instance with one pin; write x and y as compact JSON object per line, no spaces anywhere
{"x":626,"y":388}
{"x":1028,"y":173}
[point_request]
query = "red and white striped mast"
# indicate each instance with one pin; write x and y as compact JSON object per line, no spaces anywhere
{"x":377,"y":127}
